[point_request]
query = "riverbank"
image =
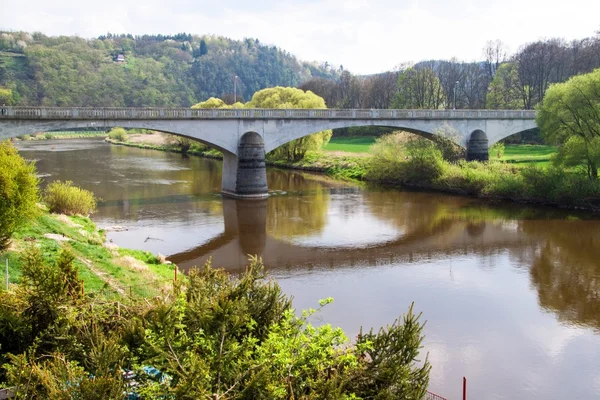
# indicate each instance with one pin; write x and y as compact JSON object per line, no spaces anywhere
{"x":63,"y":135}
{"x":106,"y":269}
{"x":494,"y":180}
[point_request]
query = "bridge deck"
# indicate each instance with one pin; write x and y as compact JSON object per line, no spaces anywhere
{"x":128,"y":113}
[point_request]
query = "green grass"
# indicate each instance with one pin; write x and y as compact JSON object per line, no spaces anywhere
{"x":358,"y":144}
{"x":526,"y":154}
{"x":86,"y":244}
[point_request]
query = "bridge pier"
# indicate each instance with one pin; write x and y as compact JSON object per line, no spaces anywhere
{"x":477,"y":146}
{"x":245,"y":174}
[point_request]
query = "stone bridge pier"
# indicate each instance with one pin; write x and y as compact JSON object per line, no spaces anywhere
{"x":245,"y":174}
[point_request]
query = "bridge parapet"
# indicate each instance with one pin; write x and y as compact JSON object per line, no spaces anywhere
{"x":83,"y":113}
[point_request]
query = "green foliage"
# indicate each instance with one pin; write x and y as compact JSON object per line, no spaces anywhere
{"x":504,"y":92}
{"x":404,"y":159}
{"x":212,"y":336}
{"x":160,"y":70}
{"x":213,"y":102}
{"x":64,"y":198}
{"x":118,"y":133}
{"x":497,"y":149}
{"x":6,"y":97}
{"x":570,"y":116}
{"x":18,"y":192}
{"x":286,"y":97}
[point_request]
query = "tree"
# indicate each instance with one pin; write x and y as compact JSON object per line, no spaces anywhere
{"x":6,"y":97}
{"x":18,"y":192}
{"x":570,"y":117}
{"x":504,"y":92}
{"x":495,"y":55}
{"x":285,"y":97}
{"x":203,"y":47}
{"x":419,"y":87}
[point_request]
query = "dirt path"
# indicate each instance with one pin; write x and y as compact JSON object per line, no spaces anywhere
{"x":103,"y":276}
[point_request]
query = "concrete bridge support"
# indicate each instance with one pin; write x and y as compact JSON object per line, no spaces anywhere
{"x":245,"y":174}
{"x":477,"y":146}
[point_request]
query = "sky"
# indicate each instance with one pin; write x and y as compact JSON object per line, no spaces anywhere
{"x":365,"y":36}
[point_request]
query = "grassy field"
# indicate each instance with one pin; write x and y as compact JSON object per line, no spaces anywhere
{"x":358,"y":144}
{"x":525,"y":154}
{"x":522,"y":154}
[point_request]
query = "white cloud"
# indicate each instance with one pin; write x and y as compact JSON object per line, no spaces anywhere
{"x":364,"y":36}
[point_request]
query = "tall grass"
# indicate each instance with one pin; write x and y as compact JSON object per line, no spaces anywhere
{"x":64,"y":198}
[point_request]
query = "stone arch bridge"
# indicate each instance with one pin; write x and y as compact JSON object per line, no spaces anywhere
{"x":244,"y":135}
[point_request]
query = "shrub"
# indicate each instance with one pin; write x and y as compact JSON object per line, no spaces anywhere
{"x":425,"y":162}
{"x":64,"y":198}
{"x":18,"y":192}
{"x":118,"y":133}
{"x":209,"y":336}
{"x":181,"y":143}
{"x":48,"y":136}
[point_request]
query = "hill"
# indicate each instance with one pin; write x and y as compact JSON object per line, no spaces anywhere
{"x":148,"y":70}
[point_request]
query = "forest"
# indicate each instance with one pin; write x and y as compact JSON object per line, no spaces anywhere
{"x":142,"y":71}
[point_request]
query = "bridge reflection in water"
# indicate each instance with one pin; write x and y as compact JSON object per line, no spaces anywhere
{"x":246,"y":234}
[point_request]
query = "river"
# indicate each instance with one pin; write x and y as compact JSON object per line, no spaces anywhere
{"x":511,"y":294}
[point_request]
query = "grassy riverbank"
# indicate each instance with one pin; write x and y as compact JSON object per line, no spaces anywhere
{"x":106,"y":269}
{"x":63,"y":135}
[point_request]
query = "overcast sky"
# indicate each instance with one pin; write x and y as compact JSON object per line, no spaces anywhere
{"x":364,"y":36}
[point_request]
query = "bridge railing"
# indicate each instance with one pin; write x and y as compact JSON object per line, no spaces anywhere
{"x":244,"y":113}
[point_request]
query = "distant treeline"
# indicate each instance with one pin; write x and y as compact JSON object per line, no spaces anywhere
{"x":498,"y":82}
{"x":148,"y":70}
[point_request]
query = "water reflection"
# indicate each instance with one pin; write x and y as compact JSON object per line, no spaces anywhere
{"x":565,"y":268}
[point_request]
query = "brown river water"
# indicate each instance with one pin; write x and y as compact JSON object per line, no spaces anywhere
{"x":511,"y":293}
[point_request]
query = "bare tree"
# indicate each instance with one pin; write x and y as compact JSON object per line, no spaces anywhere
{"x":495,"y":54}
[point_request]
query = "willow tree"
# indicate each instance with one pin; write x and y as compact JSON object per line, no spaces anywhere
{"x":287,"y":97}
{"x":570,"y":117}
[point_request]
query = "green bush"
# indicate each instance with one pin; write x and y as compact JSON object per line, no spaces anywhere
{"x":18,"y":192}
{"x":48,"y":136}
{"x":64,"y":198}
{"x":402,"y":159}
{"x":211,"y":336}
{"x":118,"y":133}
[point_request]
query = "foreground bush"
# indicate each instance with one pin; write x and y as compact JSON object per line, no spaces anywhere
{"x":64,"y":198}
{"x":118,"y":133}
{"x":213,"y":336}
{"x":18,"y":192}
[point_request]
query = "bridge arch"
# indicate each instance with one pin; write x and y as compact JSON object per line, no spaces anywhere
{"x":276,"y":136}
{"x":183,"y":128}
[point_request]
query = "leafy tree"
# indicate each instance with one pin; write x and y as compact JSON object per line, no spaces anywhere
{"x":18,"y":192}
{"x":504,"y":92}
{"x":570,"y":117}
{"x":285,"y":97}
{"x":213,"y":102}
{"x":6,"y":97}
